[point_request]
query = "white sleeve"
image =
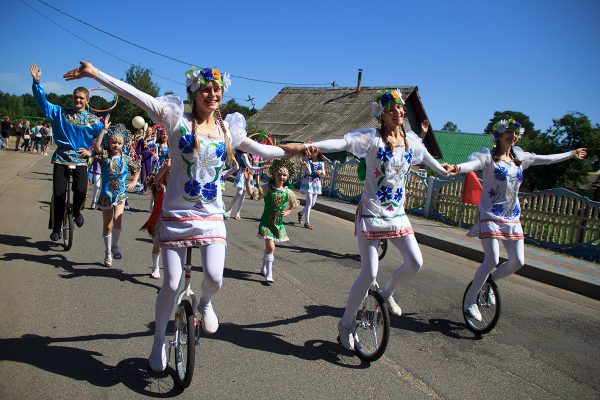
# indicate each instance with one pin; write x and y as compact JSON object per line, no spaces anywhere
{"x":356,"y":142}
{"x":261,"y":150}
{"x":433,"y":163}
{"x":469,"y":166}
{"x":418,"y":148}
{"x":531,"y":159}
{"x":236,"y":124}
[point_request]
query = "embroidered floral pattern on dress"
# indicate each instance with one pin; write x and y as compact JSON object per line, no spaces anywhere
{"x":384,"y":193}
{"x":187,"y":143}
{"x":384,"y":155}
{"x":209,"y":191}
{"x":500,"y":173}
{"x":192,"y":188}
{"x":81,"y":119}
{"x":516,"y":211}
{"x":498,"y":209}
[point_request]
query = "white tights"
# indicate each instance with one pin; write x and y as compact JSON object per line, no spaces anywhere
{"x":239,"y":196}
{"x":369,"y":264}
{"x":96,"y":187}
{"x":213,"y":262}
{"x":311,"y":199}
{"x":515,"y":249}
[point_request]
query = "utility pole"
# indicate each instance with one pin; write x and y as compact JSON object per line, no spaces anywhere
{"x":251,"y":100}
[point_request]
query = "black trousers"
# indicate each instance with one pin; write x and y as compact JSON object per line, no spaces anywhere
{"x":59,"y":192}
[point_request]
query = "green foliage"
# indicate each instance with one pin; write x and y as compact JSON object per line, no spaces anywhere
{"x":517,"y":116}
{"x":450,"y":127}
{"x":232,"y":106}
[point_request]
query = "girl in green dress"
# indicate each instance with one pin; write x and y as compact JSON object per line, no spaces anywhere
{"x":279,"y":203}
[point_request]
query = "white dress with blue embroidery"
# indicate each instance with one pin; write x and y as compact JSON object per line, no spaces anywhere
{"x":499,"y":208}
{"x":311,"y":182}
{"x":192,"y":211}
{"x":380,"y":214}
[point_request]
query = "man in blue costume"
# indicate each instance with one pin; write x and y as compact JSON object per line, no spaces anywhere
{"x":71,"y":133}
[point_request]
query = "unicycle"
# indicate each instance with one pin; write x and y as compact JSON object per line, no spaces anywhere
{"x":68,"y":224}
{"x":371,"y":327}
{"x":488,"y":302}
{"x":382,"y":248}
{"x":186,"y":335}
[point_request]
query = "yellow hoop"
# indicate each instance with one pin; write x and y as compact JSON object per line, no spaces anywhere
{"x":106,"y":90}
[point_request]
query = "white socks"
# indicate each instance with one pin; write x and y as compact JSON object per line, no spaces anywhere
{"x":156,"y":269}
{"x":269,"y":258}
{"x":108,"y":243}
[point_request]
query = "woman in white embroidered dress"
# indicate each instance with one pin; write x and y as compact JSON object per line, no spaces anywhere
{"x":499,"y":209}
{"x":192,"y":213}
{"x":389,"y":152}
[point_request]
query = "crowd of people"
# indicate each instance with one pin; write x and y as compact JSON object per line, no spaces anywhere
{"x":28,"y":138}
{"x":184,"y":157}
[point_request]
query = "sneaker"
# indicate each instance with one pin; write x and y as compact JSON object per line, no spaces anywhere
{"x":210,"y":322}
{"x":79,"y":220}
{"x":300,"y":218}
{"x":108,"y":260}
{"x":158,"y":357}
{"x":491,"y":298}
{"x":55,"y":236}
{"x":116,"y":252}
{"x":473,"y":312}
{"x":308,"y":226}
{"x":269,"y":279}
{"x":346,"y":336}
{"x":393,"y":307}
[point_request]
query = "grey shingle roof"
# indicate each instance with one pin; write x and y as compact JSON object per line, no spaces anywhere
{"x":311,"y":114}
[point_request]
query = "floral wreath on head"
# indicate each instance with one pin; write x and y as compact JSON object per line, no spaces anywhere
{"x":280,"y":164}
{"x":115,"y":132}
{"x":504,"y":124}
{"x":384,"y":100}
{"x":196,"y":77}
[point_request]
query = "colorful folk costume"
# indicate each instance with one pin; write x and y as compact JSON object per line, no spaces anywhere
{"x":499,"y":211}
{"x":192,"y":211}
{"x":71,"y":133}
{"x":380,"y":214}
{"x":145,"y":149}
{"x":311,"y":186}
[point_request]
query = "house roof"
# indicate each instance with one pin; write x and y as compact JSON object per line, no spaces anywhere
{"x":310,"y":114}
{"x":458,"y":146}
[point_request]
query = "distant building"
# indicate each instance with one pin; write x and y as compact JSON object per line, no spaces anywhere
{"x":458,"y":146}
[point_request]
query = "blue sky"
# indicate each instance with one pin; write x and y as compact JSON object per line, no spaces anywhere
{"x":469,"y":58}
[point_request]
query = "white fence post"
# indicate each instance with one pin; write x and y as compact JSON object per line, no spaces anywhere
{"x":429,"y":198}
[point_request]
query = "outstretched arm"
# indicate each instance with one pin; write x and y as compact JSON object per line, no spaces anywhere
{"x":261,"y":150}
{"x":50,"y":110}
{"x":579,"y":154}
{"x":98,"y":143}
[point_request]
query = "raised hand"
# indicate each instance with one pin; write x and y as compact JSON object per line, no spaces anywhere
{"x":107,"y":121}
{"x":36,"y":72}
{"x":425,"y":126}
{"x":580,"y":153}
{"x":85,"y":70}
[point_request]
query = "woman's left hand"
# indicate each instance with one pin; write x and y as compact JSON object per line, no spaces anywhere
{"x":424,"y":126}
{"x":286,"y":212}
{"x":580,"y":154}
{"x":131,"y":186}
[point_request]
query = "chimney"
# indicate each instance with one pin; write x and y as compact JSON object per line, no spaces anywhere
{"x":359,"y":80}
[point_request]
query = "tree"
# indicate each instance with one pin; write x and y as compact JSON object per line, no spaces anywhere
{"x":517,"y":116}
{"x":140,"y":78}
{"x":232,"y":106}
{"x":450,"y":127}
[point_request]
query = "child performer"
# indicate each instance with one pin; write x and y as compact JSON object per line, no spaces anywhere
{"x":389,"y":151}
{"x":192,"y":212}
{"x":313,"y":170}
{"x":114,"y":166}
{"x":279,"y":203}
{"x":242,"y":182}
{"x":145,"y":150}
{"x":499,"y":209}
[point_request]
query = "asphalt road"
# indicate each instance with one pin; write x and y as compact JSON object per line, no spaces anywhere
{"x":72,"y":328}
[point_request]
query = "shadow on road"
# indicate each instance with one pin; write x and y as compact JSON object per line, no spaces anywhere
{"x":320,"y":252}
{"x":452,"y":329}
{"x":46,"y":353}
{"x":60,"y":261}
{"x":25,"y":241}
{"x":253,"y":337}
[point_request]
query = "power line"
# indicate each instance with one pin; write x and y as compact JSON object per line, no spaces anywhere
{"x":108,"y":53}
{"x":172,"y":58}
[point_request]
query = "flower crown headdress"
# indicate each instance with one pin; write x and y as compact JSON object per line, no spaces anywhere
{"x":117,"y":131}
{"x":501,"y":126}
{"x":384,"y":100}
{"x":280,"y":164}
{"x":196,"y":77}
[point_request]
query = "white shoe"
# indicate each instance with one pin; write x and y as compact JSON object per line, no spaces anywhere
{"x":210,"y":322}
{"x":346,"y":336}
{"x":108,"y":260}
{"x":158,"y":357}
{"x":393,"y":307}
{"x":491,"y":297}
{"x":155,"y":274}
{"x":269,"y":279}
{"x":473,"y":312}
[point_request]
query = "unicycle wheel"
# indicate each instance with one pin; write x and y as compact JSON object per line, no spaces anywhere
{"x":372,"y":327}
{"x":68,"y":227}
{"x":184,"y":344}
{"x":488,"y":302}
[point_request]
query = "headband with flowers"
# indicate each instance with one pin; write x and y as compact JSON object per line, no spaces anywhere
{"x":501,"y":126}
{"x":384,"y":100}
{"x":280,"y":164}
{"x":196,"y":77}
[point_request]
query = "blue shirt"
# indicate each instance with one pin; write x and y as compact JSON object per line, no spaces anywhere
{"x":71,"y":131}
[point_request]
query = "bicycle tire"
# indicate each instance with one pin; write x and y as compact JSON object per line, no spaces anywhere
{"x":490,"y":313}
{"x":382,"y":248}
{"x":372,"y":329}
{"x":68,"y":229}
{"x":185,"y":342}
